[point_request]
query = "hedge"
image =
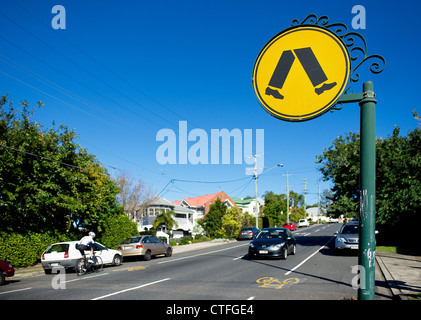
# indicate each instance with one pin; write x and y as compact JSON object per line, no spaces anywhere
{"x":25,"y":250}
{"x":116,"y":229}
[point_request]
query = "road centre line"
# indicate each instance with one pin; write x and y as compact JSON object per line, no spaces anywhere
{"x":130,"y":289}
{"x":305,"y":260}
{"x":202,"y":254}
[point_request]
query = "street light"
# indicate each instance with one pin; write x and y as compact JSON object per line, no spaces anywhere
{"x":278,"y":165}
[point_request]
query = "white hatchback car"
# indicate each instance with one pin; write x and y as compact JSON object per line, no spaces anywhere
{"x":303,"y":223}
{"x":66,"y":255}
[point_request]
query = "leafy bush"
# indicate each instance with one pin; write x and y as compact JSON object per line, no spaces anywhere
{"x":185,"y":240}
{"x":25,"y":250}
{"x":117,"y":228}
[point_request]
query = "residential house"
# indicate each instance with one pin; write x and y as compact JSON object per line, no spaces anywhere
{"x":184,"y":217}
{"x":201,"y":204}
{"x":186,"y":210}
{"x":249,"y":205}
{"x":314,"y":214}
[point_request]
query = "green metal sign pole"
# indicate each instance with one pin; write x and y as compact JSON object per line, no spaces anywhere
{"x":367,"y":241}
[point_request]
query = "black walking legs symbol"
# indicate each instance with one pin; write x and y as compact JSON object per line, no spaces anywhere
{"x":311,"y":66}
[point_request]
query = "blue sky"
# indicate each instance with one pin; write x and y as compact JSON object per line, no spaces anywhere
{"x":123,"y":70}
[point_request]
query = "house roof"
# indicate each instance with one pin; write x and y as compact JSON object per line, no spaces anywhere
{"x":202,"y":200}
{"x":247,"y":201}
{"x":180,"y":209}
{"x":205,"y":200}
{"x":160,"y":201}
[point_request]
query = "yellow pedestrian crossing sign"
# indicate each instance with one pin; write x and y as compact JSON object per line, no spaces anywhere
{"x":301,"y":73}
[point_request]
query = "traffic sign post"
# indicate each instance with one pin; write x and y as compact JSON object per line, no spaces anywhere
{"x":320,"y":82}
{"x":367,"y":241}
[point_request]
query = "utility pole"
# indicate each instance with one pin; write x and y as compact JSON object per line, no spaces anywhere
{"x":287,"y":174}
{"x":305,"y":192}
{"x":318,"y":206}
{"x":255,"y":186}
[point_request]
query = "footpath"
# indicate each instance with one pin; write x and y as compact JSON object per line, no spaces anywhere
{"x":398,"y":276}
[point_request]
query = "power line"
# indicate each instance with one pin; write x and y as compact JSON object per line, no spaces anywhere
{"x":49,"y":159}
{"x":87,"y":71}
{"x":96,"y":61}
{"x":93,"y":75}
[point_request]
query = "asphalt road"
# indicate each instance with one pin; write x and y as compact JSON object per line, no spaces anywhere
{"x":222,"y":272}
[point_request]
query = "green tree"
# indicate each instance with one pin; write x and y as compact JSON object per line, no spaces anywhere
{"x":166,"y":220}
{"x":48,"y":181}
{"x":275,"y":209}
{"x":212,"y":222}
{"x":231,"y":222}
{"x":340,"y":165}
{"x":398,"y":186}
{"x":117,"y":228}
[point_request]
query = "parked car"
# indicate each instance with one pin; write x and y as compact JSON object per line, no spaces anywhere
{"x":66,"y":255}
{"x":303,"y":223}
{"x":347,"y":237}
{"x":6,"y":270}
{"x":290,"y":225}
{"x":273,"y":242}
{"x":144,"y":246}
{"x":333,"y":220}
{"x":247,"y":233}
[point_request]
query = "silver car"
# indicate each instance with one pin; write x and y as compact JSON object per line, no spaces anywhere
{"x":144,"y":246}
{"x":247,"y":233}
{"x":347,"y":237}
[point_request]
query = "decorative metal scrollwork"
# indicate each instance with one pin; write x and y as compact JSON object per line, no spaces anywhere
{"x":353,"y":41}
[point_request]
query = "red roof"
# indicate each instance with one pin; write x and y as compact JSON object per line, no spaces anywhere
{"x":206,"y":200}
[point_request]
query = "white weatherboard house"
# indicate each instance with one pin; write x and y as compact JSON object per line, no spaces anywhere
{"x":184,"y":217}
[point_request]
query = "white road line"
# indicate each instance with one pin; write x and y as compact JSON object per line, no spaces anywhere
{"x":16,"y":290}
{"x":238,"y":258}
{"x":130,"y":289}
{"x":251,"y":298}
{"x":201,"y":254}
{"x":306,"y":234}
{"x":305,"y":260}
